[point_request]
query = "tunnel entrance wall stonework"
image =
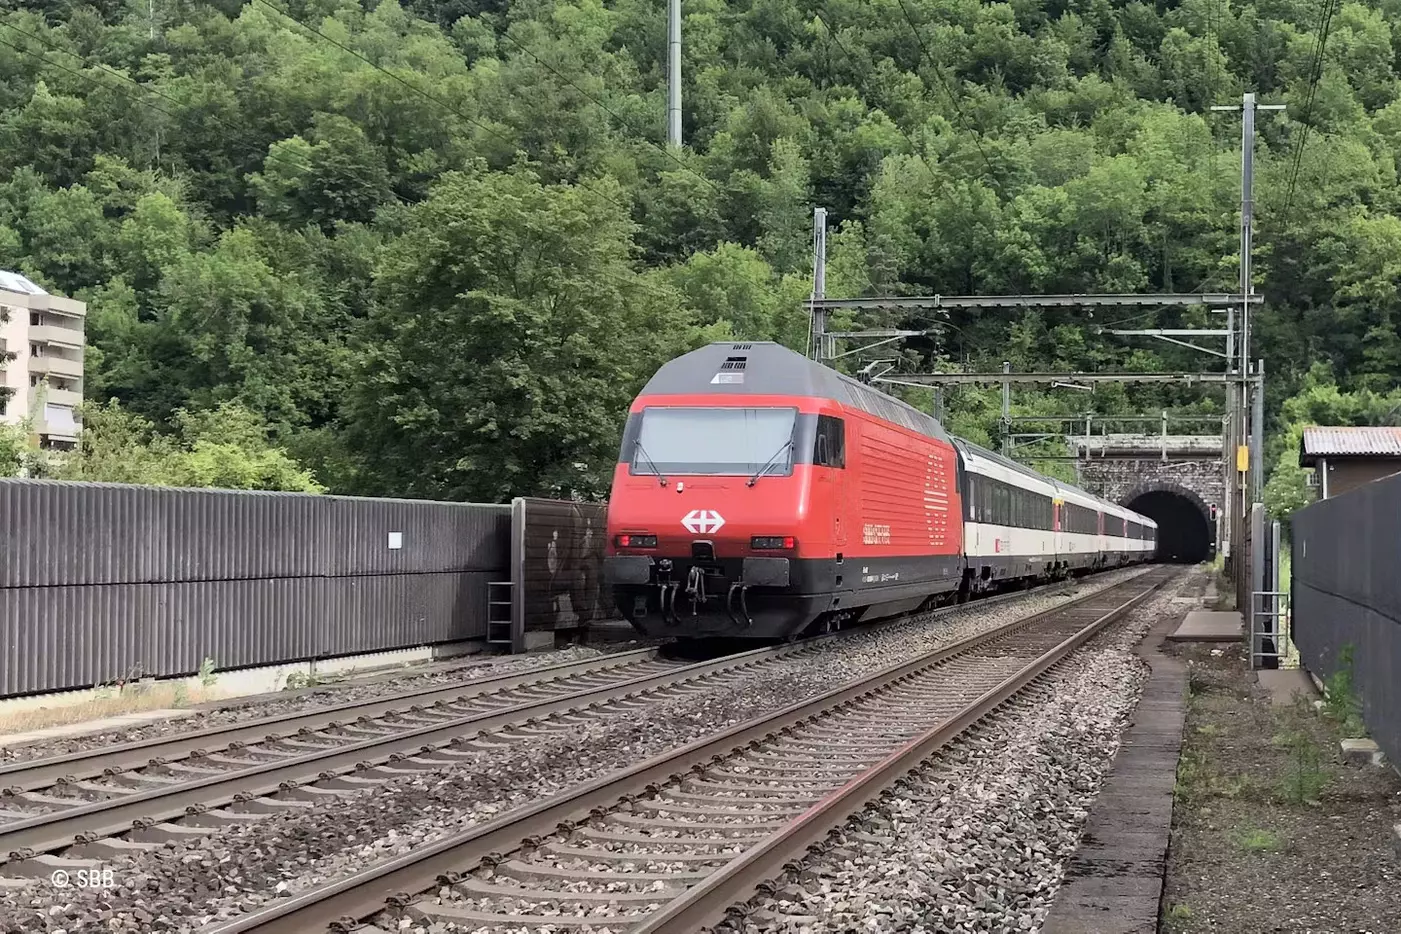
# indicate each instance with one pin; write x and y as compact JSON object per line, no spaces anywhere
{"x":1118,"y":481}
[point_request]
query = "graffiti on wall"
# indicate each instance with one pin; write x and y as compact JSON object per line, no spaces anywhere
{"x":562,"y":564}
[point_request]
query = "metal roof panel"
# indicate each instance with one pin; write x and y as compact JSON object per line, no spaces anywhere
{"x":1340,"y":441}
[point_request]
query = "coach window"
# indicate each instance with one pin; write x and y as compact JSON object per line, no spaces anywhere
{"x":831,"y":442}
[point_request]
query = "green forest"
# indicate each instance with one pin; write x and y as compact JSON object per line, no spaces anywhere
{"x":432,"y":248}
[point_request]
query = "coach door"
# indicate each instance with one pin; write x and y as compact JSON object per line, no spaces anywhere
{"x":831,"y":453}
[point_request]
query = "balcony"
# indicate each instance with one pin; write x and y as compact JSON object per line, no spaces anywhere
{"x":50,"y":432}
{"x":66,"y":397}
{"x":54,"y":334}
{"x":58,"y":366}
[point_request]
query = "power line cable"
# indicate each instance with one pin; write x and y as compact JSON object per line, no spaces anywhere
{"x":958,"y":108}
{"x":1325,"y":21}
{"x":143,"y":88}
{"x":916,"y":149}
{"x":565,"y":78}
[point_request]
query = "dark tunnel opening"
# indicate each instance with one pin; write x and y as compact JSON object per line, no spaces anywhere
{"x":1184,"y":534}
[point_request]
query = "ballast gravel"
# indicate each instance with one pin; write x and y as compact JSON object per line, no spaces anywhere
{"x":977,"y":840}
{"x":256,"y":707}
{"x":186,"y":885}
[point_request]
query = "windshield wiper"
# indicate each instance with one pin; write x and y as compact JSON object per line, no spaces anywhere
{"x":639,"y":449}
{"x":769,"y":463}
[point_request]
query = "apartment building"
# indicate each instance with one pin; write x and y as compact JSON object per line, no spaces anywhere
{"x":44,"y":333}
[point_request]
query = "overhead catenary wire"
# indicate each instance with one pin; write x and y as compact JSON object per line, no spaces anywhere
{"x":145,"y":89}
{"x":914,"y":148}
{"x":1316,"y":65}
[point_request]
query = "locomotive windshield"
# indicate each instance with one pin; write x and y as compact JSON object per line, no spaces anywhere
{"x":715,"y":441}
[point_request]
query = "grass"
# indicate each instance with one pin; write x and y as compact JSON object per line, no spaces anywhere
{"x":1177,"y":917}
{"x":1305,"y":776}
{"x":133,"y":699}
{"x":114,"y":700}
{"x":1258,"y":841}
{"x":1197,"y":780}
{"x":1340,"y":700}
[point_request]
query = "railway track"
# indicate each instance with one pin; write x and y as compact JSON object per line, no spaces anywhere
{"x":108,"y":802}
{"x":47,"y":805}
{"x":671,"y":843}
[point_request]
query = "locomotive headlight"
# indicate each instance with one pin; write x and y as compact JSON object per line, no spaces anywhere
{"x":635,"y":541}
{"x":773,"y":542}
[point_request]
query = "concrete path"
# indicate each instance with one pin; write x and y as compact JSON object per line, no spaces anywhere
{"x":1114,"y":882}
{"x":1283,"y":684}
{"x":1210,"y":626}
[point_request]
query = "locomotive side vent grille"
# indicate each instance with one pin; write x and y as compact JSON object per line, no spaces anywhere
{"x":742,"y":347}
{"x":733,"y":363}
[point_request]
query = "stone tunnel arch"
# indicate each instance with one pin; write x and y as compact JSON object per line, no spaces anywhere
{"x":1186,"y":531}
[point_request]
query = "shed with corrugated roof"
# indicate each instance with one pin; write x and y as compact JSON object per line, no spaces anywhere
{"x":1343,"y":458}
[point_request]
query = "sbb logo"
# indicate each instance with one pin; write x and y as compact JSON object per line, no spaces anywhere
{"x":702,"y":521}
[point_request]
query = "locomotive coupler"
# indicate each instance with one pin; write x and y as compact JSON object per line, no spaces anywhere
{"x":695,"y":588}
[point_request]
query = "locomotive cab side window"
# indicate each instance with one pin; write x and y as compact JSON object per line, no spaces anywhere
{"x":830,"y":447}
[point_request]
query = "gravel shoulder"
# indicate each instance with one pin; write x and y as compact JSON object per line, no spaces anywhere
{"x":1271,"y":830}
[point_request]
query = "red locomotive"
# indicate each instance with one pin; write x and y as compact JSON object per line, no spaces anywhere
{"x":758,"y":492}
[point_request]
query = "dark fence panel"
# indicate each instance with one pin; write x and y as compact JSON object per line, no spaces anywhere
{"x":59,"y":637}
{"x":219,"y":535}
{"x":372,"y":613}
{"x":1347,"y":592}
{"x":54,"y":533}
{"x":561,"y":566}
{"x":57,"y":533}
{"x":236,"y":624}
{"x":399,"y":536}
{"x":100,"y":582}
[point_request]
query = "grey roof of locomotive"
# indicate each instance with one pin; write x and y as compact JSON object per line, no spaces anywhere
{"x":766,"y":368}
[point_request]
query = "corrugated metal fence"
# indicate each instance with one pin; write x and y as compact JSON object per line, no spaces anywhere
{"x":557,"y":564}
{"x":1347,"y":592}
{"x":100,"y":582}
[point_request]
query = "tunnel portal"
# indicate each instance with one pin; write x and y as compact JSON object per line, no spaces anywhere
{"x":1184,"y":531}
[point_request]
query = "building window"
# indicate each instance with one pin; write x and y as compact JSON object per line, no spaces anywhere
{"x":35,"y":318}
{"x":60,"y":418}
